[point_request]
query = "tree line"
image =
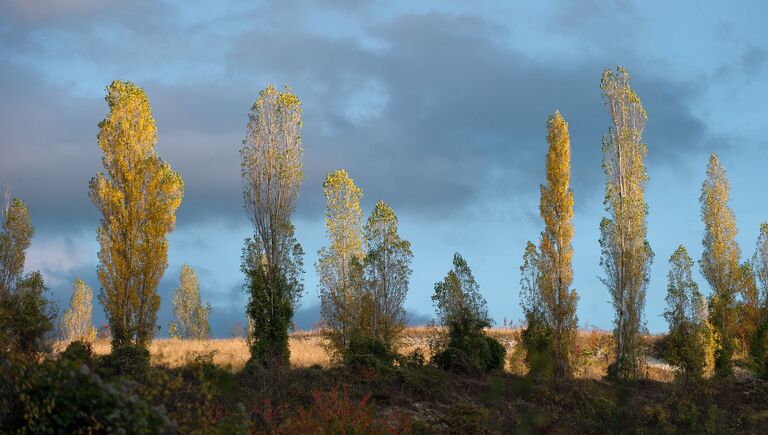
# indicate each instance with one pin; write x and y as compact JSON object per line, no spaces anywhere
{"x":364,"y":271}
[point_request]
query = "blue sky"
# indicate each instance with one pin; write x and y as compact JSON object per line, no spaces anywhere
{"x":437,"y":107}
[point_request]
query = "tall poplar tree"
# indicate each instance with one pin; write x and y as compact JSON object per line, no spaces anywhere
{"x":78,"y":319}
{"x":15,"y":237}
{"x":759,"y":349}
{"x":272,"y":260}
{"x":626,"y":255}
{"x":344,"y":230}
{"x":137,"y":194}
{"x":556,"y":252}
{"x":720,"y":261}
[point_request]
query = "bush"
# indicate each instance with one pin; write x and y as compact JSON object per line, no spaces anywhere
{"x":370,"y":353}
{"x":470,"y":353}
{"x":79,"y":352}
{"x":331,"y":412}
{"x":463,"y":310}
{"x":128,"y":359}
{"x":60,"y":397}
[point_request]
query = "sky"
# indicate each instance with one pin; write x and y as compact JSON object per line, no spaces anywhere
{"x":438,"y":108}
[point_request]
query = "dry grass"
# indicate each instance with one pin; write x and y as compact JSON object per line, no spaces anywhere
{"x":594,"y":351}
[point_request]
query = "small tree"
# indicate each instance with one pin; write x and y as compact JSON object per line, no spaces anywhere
{"x":689,"y":336}
{"x":537,"y":335}
{"x":191,"y":315}
{"x":78,"y":319}
{"x":462,"y":309}
{"x":380,"y":287}
{"x":27,"y":317}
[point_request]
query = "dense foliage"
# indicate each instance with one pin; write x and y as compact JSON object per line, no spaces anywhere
{"x":463,"y":311}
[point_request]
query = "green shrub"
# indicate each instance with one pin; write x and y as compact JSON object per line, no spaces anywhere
{"x":62,"y":397}
{"x":463,"y":310}
{"x":370,"y":353}
{"x":128,"y":359}
{"x":79,"y":352}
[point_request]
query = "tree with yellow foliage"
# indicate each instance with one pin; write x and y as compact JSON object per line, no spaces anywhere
{"x":78,"y":319}
{"x":380,"y":285}
{"x":16,"y":234}
{"x":272,"y":260}
{"x":626,"y":255}
{"x":344,"y":229}
{"x":137,"y":194}
{"x":759,"y":348}
{"x":556,"y":252}
{"x":688,"y":341}
{"x":190,"y":313}
{"x":720,"y":262}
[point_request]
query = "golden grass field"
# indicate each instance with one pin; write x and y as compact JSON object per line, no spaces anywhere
{"x":594,"y":350}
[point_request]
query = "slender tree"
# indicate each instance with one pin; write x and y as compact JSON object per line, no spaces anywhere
{"x":137,"y":194}
{"x":537,"y":335}
{"x":78,"y":319}
{"x":748,"y":311}
{"x":720,"y":261}
{"x":556,"y":210}
{"x":759,"y":349}
{"x":379,"y":314}
{"x":15,"y":236}
{"x":272,"y":259}
{"x":191,"y":315}
{"x":686,"y":313}
{"x":626,"y":255}
{"x":344,"y":230}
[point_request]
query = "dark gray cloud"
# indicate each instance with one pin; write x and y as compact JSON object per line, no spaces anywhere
{"x":431,"y":116}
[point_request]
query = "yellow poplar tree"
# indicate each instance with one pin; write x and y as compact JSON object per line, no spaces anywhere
{"x":626,"y":255}
{"x":720,"y":261}
{"x":556,"y":252}
{"x":344,"y":229}
{"x":15,"y":237}
{"x":78,"y":319}
{"x":137,"y":194}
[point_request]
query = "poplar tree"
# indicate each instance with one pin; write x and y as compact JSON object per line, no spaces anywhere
{"x":137,"y":194}
{"x":758,"y":351}
{"x":686,"y":314}
{"x":15,"y":237}
{"x":191,"y":315}
{"x":344,"y":231}
{"x":720,"y":262}
{"x":379,"y":312}
{"x":556,"y":252}
{"x":626,"y":255}
{"x":272,"y":260}
{"x":78,"y":319}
